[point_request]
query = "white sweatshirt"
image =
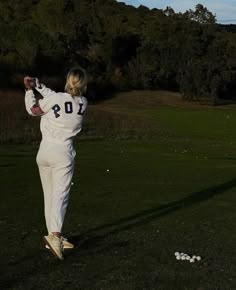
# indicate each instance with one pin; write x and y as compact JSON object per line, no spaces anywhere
{"x":61,"y":114}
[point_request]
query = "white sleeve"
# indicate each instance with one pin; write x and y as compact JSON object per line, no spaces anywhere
{"x":46,"y":104}
{"x":43,"y":90}
{"x":84,"y":101}
{"x":30,"y":101}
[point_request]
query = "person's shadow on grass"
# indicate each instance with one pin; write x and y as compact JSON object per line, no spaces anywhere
{"x":93,"y":235}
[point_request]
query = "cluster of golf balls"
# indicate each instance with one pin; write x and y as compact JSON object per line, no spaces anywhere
{"x":186,"y":257}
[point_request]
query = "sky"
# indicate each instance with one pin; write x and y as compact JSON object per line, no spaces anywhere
{"x":225,"y":10}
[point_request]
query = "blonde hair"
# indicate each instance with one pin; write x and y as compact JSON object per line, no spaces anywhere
{"x":76,"y":82}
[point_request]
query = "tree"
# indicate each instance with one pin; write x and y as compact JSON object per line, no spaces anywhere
{"x":120,"y":45}
{"x":201,"y":15}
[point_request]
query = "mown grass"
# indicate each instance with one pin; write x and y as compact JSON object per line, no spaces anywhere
{"x":173,"y":189}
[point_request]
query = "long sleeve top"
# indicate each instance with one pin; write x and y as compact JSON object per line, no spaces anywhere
{"x":61,"y":114}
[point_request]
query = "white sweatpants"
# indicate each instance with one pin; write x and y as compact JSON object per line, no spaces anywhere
{"x":56,"y":167}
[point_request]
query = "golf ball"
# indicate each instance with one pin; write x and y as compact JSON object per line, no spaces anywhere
{"x":108,"y":170}
{"x":191,"y":260}
{"x":176,"y":253}
{"x":198,"y":258}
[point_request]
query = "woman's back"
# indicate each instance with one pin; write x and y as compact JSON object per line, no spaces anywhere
{"x":64,"y":120}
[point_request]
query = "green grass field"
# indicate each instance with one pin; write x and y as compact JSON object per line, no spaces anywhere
{"x":171,"y":186}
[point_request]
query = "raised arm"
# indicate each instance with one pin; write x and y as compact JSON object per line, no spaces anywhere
{"x":38,"y":107}
{"x":31,"y":104}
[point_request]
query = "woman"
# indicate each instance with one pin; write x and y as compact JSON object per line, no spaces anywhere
{"x":61,"y":120}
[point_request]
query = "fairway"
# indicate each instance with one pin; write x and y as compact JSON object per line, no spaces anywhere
{"x":135,"y":201}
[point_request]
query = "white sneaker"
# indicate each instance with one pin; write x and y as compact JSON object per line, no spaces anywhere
{"x":55,"y":245}
{"x":65,"y":243}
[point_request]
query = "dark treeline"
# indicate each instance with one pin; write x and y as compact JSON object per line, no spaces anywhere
{"x":122,"y":47}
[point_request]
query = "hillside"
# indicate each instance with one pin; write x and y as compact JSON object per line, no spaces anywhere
{"x":121,"y":47}
{"x":126,"y":115}
{"x":229,"y":27}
